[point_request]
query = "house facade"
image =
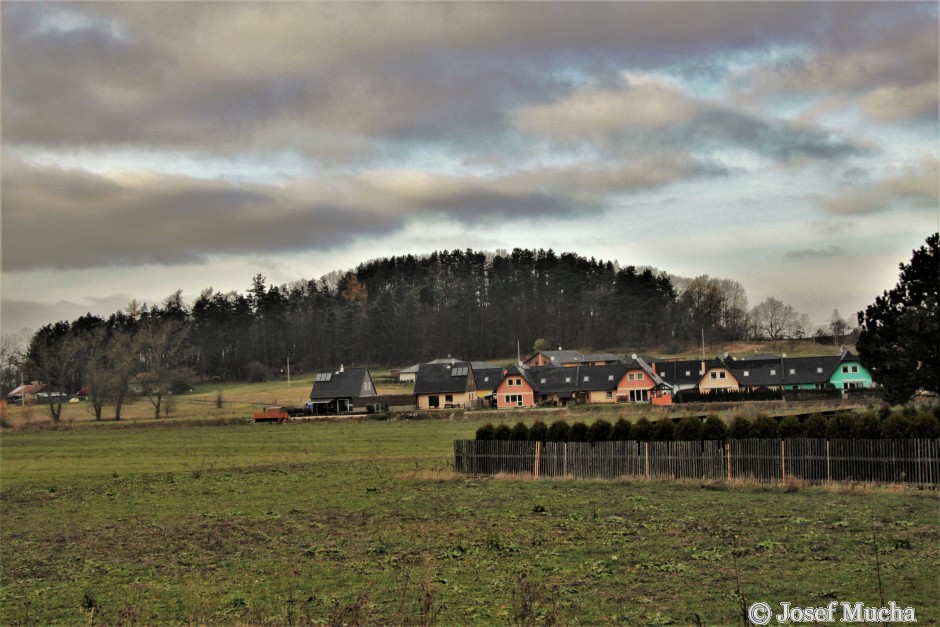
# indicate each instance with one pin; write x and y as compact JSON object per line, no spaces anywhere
{"x":341,"y":391}
{"x":446,"y":386}
{"x":641,"y":384}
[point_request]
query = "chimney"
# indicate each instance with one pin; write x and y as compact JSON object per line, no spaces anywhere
{"x":341,"y":368}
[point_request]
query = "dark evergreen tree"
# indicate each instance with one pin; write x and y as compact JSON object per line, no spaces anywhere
{"x":899,"y":340}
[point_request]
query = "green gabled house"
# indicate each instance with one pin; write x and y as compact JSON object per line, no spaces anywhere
{"x":850,"y":373}
{"x":842,"y":371}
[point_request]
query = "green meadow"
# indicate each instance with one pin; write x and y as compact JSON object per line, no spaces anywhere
{"x":364,"y":522}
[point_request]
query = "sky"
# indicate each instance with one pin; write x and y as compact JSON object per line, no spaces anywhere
{"x":149,"y":147}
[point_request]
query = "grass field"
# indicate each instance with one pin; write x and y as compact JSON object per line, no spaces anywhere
{"x":363,"y":522}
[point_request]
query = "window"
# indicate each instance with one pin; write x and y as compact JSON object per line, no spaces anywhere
{"x":772,"y":371}
{"x":486,"y":379}
{"x":610,"y":377}
{"x":586,"y":378}
{"x":324,"y":376}
{"x":543,"y":380}
{"x":792,"y":371}
{"x":747,"y":373}
{"x":510,"y":382}
{"x":639,"y":376}
{"x":567,"y":379}
{"x":721,"y":374}
{"x":513,"y":399}
{"x":854,"y":369}
{"x":631,"y":377}
{"x":818,"y":370}
{"x":459,"y":372}
{"x":610,"y":394}
{"x":714,"y":374}
{"x":688,"y":373}
{"x":449,"y":398}
{"x":845,"y":370}
{"x":518,"y":381}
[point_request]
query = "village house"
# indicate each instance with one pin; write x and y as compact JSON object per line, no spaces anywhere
{"x":571,"y":358}
{"x":342,"y":391}
{"x":446,"y":386}
{"x":641,"y":384}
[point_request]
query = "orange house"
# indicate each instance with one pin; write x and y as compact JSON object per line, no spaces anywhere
{"x":641,"y":384}
{"x":515,"y":390}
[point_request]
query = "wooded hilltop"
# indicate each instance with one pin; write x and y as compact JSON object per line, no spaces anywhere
{"x":401,"y":310}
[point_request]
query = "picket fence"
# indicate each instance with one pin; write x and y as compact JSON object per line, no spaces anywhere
{"x":914,"y":461}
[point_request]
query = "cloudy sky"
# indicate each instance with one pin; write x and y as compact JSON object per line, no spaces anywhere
{"x":150,"y":147}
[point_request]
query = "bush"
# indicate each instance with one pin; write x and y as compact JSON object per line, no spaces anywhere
{"x":502,"y":433}
{"x":714,"y":428}
{"x":815,"y":426}
{"x":578,"y":432}
{"x":764,"y":427}
{"x":519,"y":432}
{"x":790,"y":427}
{"x":599,"y":431}
{"x":896,"y":426}
{"x":620,"y":431}
{"x":538,"y":432}
{"x":180,"y":383}
{"x":642,"y":431}
{"x":925,"y":425}
{"x":840,"y":426}
{"x":664,"y":430}
{"x":866,"y":426}
{"x":486,"y":432}
{"x":740,"y":428}
{"x":689,"y":429}
{"x":558,"y":431}
{"x":257,"y":372}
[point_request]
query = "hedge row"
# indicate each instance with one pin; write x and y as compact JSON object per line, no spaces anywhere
{"x":864,"y":425}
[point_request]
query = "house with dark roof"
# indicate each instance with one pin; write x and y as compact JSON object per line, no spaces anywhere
{"x":487,"y":378}
{"x":409,"y":374}
{"x":641,"y":384}
{"x":776,"y":372}
{"x":571,"y":358}
{"x":446,"y":386}
{"x":341,"y":391}
{"x":680,"y":374}
{"x":531,"y":386}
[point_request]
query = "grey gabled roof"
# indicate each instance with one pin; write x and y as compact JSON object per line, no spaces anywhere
{"x":598,"y":378}
{"x":639,"y":363}
{"x":488,"y":377}
{"x":439,"y":379}
{"x":345,"y":383}
{"x":673,"y":371}
{"x":568,"y":357}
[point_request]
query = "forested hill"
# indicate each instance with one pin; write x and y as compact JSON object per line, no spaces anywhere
{"x":401,"y":310}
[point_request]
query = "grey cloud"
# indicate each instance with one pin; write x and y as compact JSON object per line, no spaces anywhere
{"x":889,"y":72}
{"x":815,"y":253}
{"x":916,"y":187}
{"x":229,"y":76}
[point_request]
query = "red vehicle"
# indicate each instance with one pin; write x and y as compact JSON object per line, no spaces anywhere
{"x":272,"y":414}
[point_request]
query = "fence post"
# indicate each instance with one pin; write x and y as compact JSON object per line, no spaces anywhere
{"x":564,"y":463}
{"x":647,"y":445}
{"x":828,"y":463}
{"x":783,"y":460}
{"x":728,"y":451}
{"x":535,"y":462}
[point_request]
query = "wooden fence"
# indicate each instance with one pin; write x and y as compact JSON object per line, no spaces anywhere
{"x":915,"y":461}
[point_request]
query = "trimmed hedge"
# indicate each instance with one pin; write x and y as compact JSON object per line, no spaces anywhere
{"x":880,"y":424}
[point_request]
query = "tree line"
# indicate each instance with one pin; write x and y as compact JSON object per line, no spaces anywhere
{"x":393,"y":311}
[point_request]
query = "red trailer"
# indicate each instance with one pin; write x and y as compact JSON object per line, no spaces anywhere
{"x":272,"y":414}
